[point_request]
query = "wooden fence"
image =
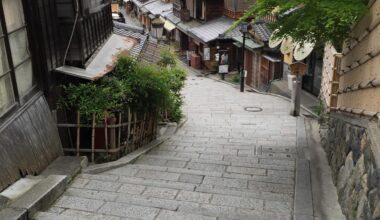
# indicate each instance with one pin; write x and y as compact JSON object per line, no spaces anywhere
{"x":110,"y":137}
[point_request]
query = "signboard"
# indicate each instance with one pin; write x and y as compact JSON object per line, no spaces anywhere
{"x":188,"y":54}
{"x":223,"y":61}
{"x":223,"y":68}
{"x":206,"y":53}
{"x":298,"y":69}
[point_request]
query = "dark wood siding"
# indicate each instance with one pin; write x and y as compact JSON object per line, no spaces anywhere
{"x":214,"y":9}
{"x":93,"y":28}
{"x":28,"y":142}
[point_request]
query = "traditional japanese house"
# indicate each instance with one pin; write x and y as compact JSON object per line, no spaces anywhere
{"x":262,"y":63}
{"x":40,"y":40}
{"x":203,"y":29}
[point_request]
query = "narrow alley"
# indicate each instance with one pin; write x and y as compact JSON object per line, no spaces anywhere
{"x":234,"y":158}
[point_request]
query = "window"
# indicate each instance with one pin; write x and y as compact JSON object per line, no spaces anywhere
{"x":16,"y":75}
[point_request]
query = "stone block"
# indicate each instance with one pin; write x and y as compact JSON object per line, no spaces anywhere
{"x":176,"y":163}
{"x":91,"y":194}
{"x":189,"y":178}
{"x":239,"y":202}
{"x":194,"y":197}
{"x":158,"y":175}
{"x":163,"y":193}
{"x":157,"y":183}
{"x":245,"y":170}
{"x":42,"y":195}
{"x":71,"y":202}
{"x":148,"y":202}
{"x":14,"y":214}
{"x":206,"y":167}
{"x":237,"y":183}
{"x":170,"y":215}
{"x":129,"y":211}
{"x":131,"y":189}
{"x":103,"y":185}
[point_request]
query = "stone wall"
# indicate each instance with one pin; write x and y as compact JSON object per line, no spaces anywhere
{"x":353,"y":151}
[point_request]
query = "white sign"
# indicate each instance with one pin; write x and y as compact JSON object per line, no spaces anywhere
{"x":206,"y":53}
{"x":188,"y":54}
{"x":245,"y":73}
{"x":223,"y":68}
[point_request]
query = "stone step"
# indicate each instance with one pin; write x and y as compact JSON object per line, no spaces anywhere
{"x":40,"y":196}
{"x":42,"y":190}
{"x":232,"y":213}
{"x":73,"y":215}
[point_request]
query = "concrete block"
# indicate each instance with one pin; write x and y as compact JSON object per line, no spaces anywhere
{"x":42,"y":195}
{"x":66,"y":165}
{"x":14,"y":214}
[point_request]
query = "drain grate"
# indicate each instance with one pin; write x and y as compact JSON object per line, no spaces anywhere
{"x":253,"y":109}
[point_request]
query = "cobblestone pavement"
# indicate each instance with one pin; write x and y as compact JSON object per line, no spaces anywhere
{"x":224,"y":163}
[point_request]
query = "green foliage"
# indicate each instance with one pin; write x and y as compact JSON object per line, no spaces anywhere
{"x":167,"y":58}
{"x":92,"y":98}
{"x":143,"y":88}
{"x":236,"y":79}
{"x":319,"y":109}
{"x":319,"y":21}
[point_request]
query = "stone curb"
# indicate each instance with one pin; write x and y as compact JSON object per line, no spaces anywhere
{"x":132,"y":157}
{"x":303,"y":196}
{"x":264,"y":93}
{"x":56,"y":177}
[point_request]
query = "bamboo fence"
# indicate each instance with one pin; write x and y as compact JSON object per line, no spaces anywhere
{"x":110,"y":137}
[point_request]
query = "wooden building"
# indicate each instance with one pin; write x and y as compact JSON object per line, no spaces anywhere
{"x":203,"y":29}
{"x":35,"y":35}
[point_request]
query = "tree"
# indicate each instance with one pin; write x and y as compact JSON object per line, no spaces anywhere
{"x":318,"y":21}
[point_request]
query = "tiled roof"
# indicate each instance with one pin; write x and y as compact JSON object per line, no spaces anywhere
{"x":136,"y":50}
{"x":214,"y":29}
{"x":159,"y":8}
{"x":171,"y":17}
{"x":262,"y":30}
{"x":140,"y":3}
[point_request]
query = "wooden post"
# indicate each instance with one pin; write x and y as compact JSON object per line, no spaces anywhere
{"x":129,"y":127}
{"x":93,"y":138}
{"x":134,"y":129}
{"x":78,"y":133}
{"x":119,"y":131}
{"x":106,"y":132}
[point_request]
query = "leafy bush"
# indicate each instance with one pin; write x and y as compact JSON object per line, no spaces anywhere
{"x":236,"y":79}
{"x":143,"y":88}
{"x":167,"y":58}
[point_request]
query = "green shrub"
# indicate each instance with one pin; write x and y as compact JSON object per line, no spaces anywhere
{"x":143,"y":88}
{"x":236,"y":79}
{"x":167,"y":58}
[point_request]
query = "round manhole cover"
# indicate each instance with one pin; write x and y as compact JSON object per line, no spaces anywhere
{"x":253,"y":109}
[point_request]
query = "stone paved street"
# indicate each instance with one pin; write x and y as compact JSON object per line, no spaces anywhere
{"x":224,"y":163}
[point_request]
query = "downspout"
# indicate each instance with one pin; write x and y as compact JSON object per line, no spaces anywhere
{"x":72,"y":32}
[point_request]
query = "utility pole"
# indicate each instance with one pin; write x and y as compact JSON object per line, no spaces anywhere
{"x":298,"y":69}
{"x":243,"y":30}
